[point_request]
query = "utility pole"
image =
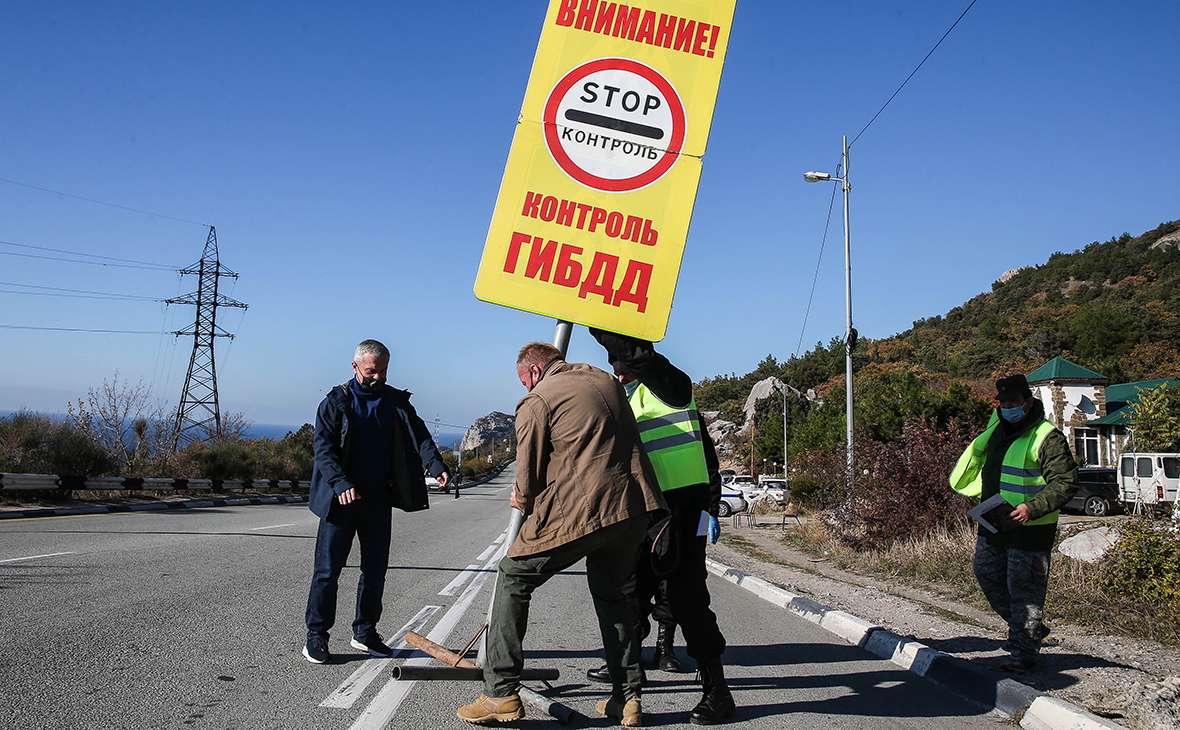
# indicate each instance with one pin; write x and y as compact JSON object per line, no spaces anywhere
{"x":198,"y":412}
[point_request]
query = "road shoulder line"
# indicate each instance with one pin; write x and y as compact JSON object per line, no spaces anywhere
{"x":1000,"y":695}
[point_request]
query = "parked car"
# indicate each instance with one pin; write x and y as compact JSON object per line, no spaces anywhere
{"x":775,"y":488}
{"x":1098,"y":491}
{"x":432,"y":485}
{"x":732,"y":501}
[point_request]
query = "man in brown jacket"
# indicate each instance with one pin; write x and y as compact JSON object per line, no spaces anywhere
{"x":587,"y":490}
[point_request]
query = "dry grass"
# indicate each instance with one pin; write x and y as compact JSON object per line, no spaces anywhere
{"x":941,"y":562}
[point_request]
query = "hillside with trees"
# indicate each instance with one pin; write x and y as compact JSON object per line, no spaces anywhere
{"x":1108,"y":306}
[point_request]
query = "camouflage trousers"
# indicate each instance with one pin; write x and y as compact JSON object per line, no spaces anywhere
{"x":1015,"y":582}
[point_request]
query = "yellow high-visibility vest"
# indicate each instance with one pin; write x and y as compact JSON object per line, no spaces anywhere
{"x":1020,"y":472}
{"x":672,"y":439}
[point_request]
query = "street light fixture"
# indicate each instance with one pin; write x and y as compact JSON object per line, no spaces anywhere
{"x":850,"y":333}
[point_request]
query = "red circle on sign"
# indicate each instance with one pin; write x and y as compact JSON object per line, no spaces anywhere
{"x":571,"y":168}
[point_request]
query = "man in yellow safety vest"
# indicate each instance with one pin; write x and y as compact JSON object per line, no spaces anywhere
{"x":1025,"y":459}
{"x":685,"y":463}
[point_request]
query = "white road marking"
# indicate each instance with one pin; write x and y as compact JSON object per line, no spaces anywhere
{"x":272,"y":527}
{"x":489,"y":552}
{"x":351,"y":689}
{"x":453,"y":587}
{"x":34,"y":557}
{"x":391,"y":695}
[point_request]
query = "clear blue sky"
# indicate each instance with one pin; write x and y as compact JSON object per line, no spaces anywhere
{"x":350,"y":154}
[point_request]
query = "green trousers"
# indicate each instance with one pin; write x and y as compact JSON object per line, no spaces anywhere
{"x":610,"y":555}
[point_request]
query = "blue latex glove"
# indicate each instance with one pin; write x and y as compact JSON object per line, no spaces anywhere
{"x":714,"y":529}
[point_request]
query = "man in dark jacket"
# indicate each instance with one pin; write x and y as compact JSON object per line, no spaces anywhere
{"x":678,"y":444}
{"x":370,"y":451}
{"x":1025,"y":459}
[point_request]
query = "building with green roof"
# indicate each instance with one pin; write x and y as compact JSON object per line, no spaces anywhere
{"x":1091,"y":413}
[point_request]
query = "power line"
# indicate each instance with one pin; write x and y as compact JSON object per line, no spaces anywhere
{"x":907,"y":78}
{"x":53,"y":291}
{"x":838,"y":173}
{"x":122,"y":263}
{"x":103,"y":202}
{"x":79,"y":329}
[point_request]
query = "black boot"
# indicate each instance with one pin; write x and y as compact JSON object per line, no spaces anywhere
{"x":665,"y":658}
{"x":716,"y":706}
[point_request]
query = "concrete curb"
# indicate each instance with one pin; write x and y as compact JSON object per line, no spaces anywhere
{"x":1003,"y":696}
{"x":154,"y":506}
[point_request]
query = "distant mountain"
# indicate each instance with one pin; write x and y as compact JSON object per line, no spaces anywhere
{"x":498,"y":426}
{"x":1110,"y":307}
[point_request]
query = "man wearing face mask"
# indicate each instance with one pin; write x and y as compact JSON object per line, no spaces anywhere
{"x":370,"y":451}
{"x":587,"y":490}
{"x":1027,"y":460}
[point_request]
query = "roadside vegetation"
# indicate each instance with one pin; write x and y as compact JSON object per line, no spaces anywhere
{"x":922,"y":395}
{"x":118,"y":431}
{"x":1132,"y":591}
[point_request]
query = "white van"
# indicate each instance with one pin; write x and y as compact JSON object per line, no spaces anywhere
{"x":1149,"y":479}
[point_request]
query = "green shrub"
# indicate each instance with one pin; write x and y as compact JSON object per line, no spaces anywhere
{"x":34,"y":444}
{"x":1144,"y":565}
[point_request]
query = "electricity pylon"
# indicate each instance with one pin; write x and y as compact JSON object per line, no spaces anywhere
{"x":198,"y":412}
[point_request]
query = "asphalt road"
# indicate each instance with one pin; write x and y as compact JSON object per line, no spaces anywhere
{"x":194,"y":619}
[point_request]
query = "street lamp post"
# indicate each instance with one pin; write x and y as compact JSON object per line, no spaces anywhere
{"x":783,"y":390}
{"x":781,"y":387}
{"x":850,"y":333}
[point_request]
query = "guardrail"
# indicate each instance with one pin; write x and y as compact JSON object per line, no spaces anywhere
{"x":133,"y":484}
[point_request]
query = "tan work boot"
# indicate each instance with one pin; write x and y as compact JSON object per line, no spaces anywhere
{"x":630,"y":714}
{"x":492,"y":709}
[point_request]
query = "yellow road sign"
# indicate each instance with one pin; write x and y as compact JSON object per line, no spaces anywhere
{"x":593,"y":211}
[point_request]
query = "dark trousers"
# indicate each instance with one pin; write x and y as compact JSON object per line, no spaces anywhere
{"x":371,"y":525}
{"x":649,"y":601}
{"x":610,"y":559}
{"x":676,"y":557}
{"x":1015,"y":583}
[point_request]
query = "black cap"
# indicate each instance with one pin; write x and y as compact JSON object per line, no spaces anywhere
{"x":1012,"y":387}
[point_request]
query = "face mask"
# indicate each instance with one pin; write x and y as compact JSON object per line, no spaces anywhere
{"x":371,"y":385}
{"x":630,"y":387}
{"x":1012,"y":415}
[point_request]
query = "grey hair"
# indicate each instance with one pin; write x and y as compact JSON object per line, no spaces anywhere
{"x":370,"y":347}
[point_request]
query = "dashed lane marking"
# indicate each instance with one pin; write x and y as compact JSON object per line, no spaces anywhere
{"x":377,"y":714}
{"x":34,"y":557}
{"x":453,"y":587}
{"x":352,"y":688}
{"x":487,"y":553}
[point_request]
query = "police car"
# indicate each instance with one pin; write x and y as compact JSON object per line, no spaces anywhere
{"x":732,"y":498}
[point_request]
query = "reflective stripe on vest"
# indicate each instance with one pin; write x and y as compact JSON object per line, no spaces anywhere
{"x":1020,"y":474}
{"x":672,"y":439}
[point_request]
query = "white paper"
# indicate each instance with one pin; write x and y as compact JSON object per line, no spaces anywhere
{"x":703,"y":526}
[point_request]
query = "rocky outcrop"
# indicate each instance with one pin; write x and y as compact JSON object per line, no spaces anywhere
{"x":495,"y":425}
{"x":1172,"y":239}
{"x":1007,"y":275}
{"x":764,"y":389}
{"x":720,"y":430}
